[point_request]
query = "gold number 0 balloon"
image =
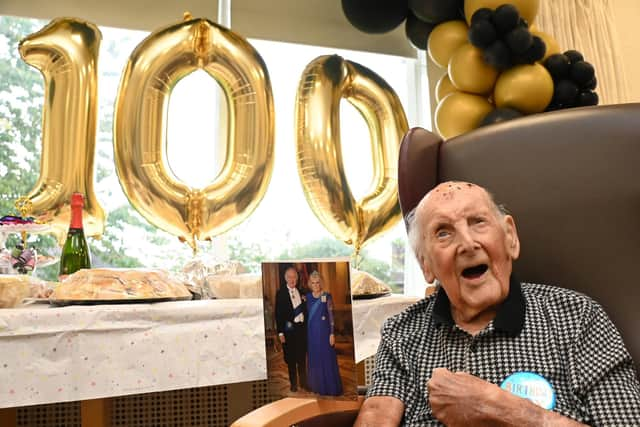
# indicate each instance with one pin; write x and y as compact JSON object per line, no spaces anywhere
{"x":66,"y":53}
{"x":324,"y":82}
{"x":154,"y":67}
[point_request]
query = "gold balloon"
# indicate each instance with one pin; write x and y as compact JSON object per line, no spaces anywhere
{"x":528,"y":9}
{"x":459,"y":113}
{"x":552,"y":46}
{"x":444,"y":87}
{"x":445,"y":39}
{"x":66,"y":51}
{"x":527,"y":88}
{"x":468,"y":71}
{"x":154,"y":67}
{"x":324,"y":82}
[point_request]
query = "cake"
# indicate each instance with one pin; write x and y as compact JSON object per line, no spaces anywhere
{"x":119,"y":284}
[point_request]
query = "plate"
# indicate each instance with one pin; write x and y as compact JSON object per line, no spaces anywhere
{"x":65,"y":302}
{"x":31,"y":227}
{"x":370,"y":296}
{"x":41,"y":260}
{"x":32,"y":300}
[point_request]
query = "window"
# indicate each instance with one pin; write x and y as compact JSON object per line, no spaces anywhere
{"x":282,"y":227}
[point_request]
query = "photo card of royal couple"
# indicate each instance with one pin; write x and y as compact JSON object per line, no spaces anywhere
{"x":309,"y":329}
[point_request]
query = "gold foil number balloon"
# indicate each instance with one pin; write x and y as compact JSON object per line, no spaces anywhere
{"x":154,"y":67}
{"x":324,"y":82}
{"x":66,"y":53}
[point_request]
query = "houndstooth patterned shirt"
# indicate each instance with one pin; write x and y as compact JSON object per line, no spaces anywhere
{"x":560,"y":334}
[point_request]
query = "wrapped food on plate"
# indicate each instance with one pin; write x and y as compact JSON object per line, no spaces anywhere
{"x":14,"y":288}
{"x":235,"y":285}
{"x":364,"y":285}
{"x":215,"y":278}
{"x":120,"y":284}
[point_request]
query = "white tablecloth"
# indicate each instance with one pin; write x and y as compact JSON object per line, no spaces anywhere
{"x":85,"y":352}
{"x":368,"y":316}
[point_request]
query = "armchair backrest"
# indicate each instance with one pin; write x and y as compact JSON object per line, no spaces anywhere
{"x":571,"y":180}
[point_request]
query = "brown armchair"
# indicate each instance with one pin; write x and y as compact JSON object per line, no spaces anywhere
{"x":569,"y":178}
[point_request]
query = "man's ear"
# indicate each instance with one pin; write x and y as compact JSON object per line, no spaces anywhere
{"x":512,"y":240}
{"x":427,"y":272}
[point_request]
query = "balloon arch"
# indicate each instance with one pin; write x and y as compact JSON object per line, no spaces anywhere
{"x":499,"y":66}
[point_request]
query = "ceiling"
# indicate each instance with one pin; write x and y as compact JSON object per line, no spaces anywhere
{"x":315,"y":22}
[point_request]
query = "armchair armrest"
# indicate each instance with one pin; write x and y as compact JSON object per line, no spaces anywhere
{"x":291,"y":410}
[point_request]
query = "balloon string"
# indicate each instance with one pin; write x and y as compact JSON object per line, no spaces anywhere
{"x":357,"y":259}
{"x":194,"y":245}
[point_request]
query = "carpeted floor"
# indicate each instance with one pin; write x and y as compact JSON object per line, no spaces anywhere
{"x":279,"y":377}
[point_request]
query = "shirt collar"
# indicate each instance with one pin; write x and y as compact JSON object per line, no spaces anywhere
{"x":509,"y":318}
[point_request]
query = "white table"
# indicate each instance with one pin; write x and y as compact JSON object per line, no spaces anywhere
{"x":74,"y":353}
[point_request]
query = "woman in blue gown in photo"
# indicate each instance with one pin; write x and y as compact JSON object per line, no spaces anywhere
{"x":323,"y":375}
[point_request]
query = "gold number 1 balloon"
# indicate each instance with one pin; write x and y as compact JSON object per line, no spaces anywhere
{"x":153,"y":69}
{"x":66,"y":53}
{"x":324,"y":82}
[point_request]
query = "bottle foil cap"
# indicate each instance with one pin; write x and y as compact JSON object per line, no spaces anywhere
{"x":77,"y":199}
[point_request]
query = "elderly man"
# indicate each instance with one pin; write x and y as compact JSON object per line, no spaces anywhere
{"x":486,"y":349}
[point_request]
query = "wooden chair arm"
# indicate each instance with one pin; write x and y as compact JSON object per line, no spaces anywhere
{"x":292,"y":410}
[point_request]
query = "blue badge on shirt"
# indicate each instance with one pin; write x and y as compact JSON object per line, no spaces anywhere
{"x":531,"y":386}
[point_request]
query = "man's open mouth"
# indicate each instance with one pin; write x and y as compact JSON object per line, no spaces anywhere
{"x":475,"y":271}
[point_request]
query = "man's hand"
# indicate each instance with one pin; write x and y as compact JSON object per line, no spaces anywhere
{"x":332,"y":340}
{"x":461,"y":399}
{"x":380,"y":411}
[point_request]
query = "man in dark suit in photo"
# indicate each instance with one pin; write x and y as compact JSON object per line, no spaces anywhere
{"x":291,"y":326}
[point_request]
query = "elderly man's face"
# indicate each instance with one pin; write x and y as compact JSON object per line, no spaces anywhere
{"x":468,"y":247}
{"x":291,"y":277}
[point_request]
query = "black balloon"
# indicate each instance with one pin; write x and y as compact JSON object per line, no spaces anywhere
{"x":565,"y":93}
{"x":437,"y":11}
{"x":506,"y":18}
{"x":417,"y":31}
{"x":553,"y":106}
{"x":500,"y":115}
{"x":497,"y":55}
{"x":558,"y":66}
{"x":582,"y":73}
{"x":586,"y":98}
{"x":482,"y":14}
{"x":535,"y":52}
{"x":375,"y":16}
{"x":482,"y":33}
{"x":519,"y":40}
{"x":574,"y":56}
{"x":591,"y":84}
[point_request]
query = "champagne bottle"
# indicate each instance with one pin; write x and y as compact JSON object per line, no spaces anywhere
{"x":75,"y":252}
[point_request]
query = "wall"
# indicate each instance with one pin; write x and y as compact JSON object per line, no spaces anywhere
{"x":627,"y":16}
{"x":315,"y":22}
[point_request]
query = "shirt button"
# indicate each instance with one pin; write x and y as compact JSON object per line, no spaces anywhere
{"x":473,"y":347}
